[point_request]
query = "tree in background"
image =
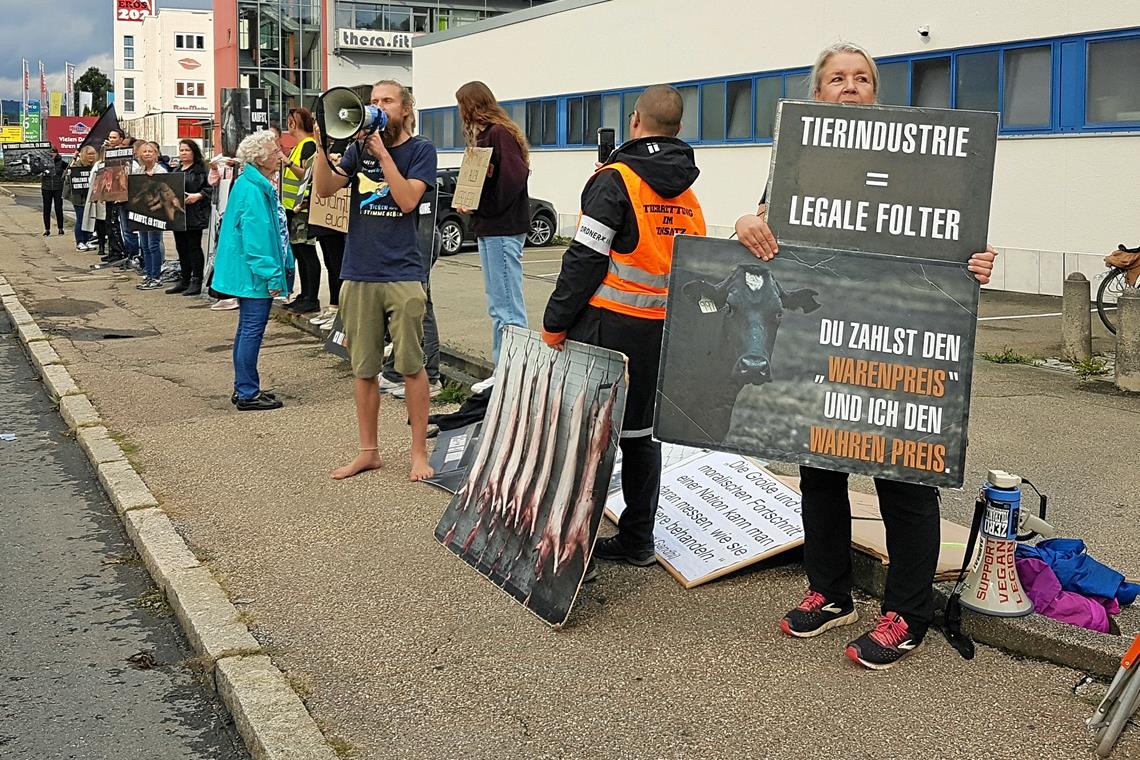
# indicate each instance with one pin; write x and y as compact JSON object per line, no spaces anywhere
{"x":97,"y":83}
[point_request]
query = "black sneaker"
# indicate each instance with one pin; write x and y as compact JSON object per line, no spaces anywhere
{"x":258,"y":403}
{"x":591,"y":572}
{"x":815,"y":615}
{"x":614,"y":550}
{"x":269,"y":394}
{"x":888,"y":643}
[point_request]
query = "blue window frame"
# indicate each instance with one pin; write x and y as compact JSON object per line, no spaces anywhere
{"x":1064,"y":85}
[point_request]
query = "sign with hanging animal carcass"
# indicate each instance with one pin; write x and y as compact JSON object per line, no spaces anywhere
{"x":527,"y":515}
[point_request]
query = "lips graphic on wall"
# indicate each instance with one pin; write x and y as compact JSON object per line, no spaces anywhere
{"x":188,"y":63}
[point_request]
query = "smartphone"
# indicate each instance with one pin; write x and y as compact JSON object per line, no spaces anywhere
{"x":606,"y":143}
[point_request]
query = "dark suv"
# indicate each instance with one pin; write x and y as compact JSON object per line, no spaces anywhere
{"x":455,"y":228}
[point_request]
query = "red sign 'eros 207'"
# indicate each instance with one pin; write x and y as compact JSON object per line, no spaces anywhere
{"x":132,"y":10}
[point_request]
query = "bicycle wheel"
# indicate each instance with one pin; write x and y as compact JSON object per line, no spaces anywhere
{"x":1107,"y":294}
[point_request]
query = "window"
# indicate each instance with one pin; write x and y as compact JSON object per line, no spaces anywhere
{"x":611,"y":113}
{"x":976,"y":85}
{"x":534,"y":122}
{"x":691,"y":118}
{"x":797,"y":85}
{"x":187,"y":89}
{"x":1113,"y":72}
{"x":550,"y":122}
{"x":189,"y":42}
{"x":931,"y":82}
{"x":768,"y":91}
{"x":190,"y":128}
{"x":128,"y":93}
{"x":1028,"y":87}
{"x":740,"y":109}
{"x":128,"y":51}
{"x":894,"y":84}
{"x":593,"y":118}
{"x":628,"y":105}
{"x":542,"y":122}
{"x":712,"y":111}
{"x":575,"y":122}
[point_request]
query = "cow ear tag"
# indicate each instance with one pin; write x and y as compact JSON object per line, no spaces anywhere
{"x":707,"y":305}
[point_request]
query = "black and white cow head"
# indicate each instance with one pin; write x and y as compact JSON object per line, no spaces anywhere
{"x":750,"y":304}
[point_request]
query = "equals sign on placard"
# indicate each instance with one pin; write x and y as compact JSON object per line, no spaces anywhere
{"x":877,"y":179}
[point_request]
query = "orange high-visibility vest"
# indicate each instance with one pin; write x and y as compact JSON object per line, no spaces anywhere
{"x":637,"y":284}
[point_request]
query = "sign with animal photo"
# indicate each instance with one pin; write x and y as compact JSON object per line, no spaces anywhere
{"x":110,"y":183}
{"x":26,"y":159}
{"x":848,"y":361}
{"x":472,"y":174}
{"x":527,"y":514}
{"x":156,"y":202}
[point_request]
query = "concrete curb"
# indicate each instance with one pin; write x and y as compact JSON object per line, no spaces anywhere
{"x":270,"y":716}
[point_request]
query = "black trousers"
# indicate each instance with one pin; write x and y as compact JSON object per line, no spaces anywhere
{"x":332,"y":249}
{"x":51,"y":198}
{"x":910,"y":516}
{"x":640,"y":340}
{"x":191,"y":259}
{"x":101,"y":234}
{"x":308,"y":272}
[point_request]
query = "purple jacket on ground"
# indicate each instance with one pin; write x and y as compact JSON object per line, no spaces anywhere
{"x":1044,"y":590}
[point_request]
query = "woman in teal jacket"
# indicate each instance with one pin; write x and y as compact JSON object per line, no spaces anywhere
{"x":254,"y":261}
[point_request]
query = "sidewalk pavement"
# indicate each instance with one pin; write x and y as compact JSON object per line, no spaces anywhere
{"x":399,"y":650}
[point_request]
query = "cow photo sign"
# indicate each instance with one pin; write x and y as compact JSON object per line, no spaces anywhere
{"x":852,"y":349}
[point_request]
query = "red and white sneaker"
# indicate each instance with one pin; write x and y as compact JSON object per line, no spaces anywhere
{"x":884,"y":646}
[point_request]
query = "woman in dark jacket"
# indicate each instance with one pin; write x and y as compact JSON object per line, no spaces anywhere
{"x":51,"y":187}
{"x":191,"y":259}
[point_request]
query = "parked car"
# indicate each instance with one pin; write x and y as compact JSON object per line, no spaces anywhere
{"x":455,"y":228}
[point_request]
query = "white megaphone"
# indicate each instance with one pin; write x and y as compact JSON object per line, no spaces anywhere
{"x":992,"y":587}
{"x":342,"y":115}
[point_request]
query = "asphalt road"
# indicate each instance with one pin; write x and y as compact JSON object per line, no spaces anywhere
{"x":92,"y":664}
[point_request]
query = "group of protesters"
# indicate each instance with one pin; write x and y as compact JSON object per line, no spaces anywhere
{"x":610,"y":292}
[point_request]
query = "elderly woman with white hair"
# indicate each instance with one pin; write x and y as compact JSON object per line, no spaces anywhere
{"x":845,"y":73}
{"x":253,"y":261}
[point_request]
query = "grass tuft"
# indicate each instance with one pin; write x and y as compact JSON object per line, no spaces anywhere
{"x":1009,"y":356}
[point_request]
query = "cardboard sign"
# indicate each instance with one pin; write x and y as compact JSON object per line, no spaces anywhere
{"x":527,"y":514}
{"x":719,"y":513}
{"x":472,"y":175}
{"x":330,"y":213}
{"x":156,"y":202}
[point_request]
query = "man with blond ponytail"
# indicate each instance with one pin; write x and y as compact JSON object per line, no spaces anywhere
{"x":502,"y":219}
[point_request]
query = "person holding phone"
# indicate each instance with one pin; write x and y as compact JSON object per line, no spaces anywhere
{"x":613,"y":286}
{"x":502,"y":220}
{"x":846,"y":73}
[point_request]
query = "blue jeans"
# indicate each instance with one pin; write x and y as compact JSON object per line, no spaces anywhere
{"x":130,"y":239}
{"x":253,"y":315}
{"x":501,"y":257}
{"x":151,"y":241}
{"x":80,"y":235}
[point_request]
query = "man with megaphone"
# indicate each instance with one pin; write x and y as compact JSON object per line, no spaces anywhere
{"x":388,"y":170}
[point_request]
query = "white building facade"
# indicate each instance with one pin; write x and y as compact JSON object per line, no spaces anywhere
{"x":1062,"y":73}
{"x":164,"y":74}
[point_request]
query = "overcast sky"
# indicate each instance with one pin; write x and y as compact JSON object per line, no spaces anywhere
{"x":58,"y":32}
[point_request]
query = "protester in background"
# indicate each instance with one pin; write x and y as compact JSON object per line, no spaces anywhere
{"x":223,"y":168}
{"x":296,"y":176}
{"x":191,"y":258}
{"x":501,"y":221}
{"x":150,"y":239}
{"x":253,"y":262}
{"x":51,"y":188}
{"x":131,"y":243}
{"x":612,"y":289}
{"x":390,"y":380}
{"x":383,"y":269}
{"x":846,"y":73}
{"x":332,"y":251}
{"x":80,"y":169}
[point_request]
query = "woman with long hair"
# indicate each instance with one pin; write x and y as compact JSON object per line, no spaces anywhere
{"x":150,"y":240}
{"x":846,"y":73}
{"x":501,"y":221}
{"x":191,"y":258}
{"x":77,"y":185}
{"x":295,"y":170}
{"x":253,"y":262}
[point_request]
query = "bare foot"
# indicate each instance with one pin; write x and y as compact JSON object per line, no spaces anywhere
{"x":365,"y":461}
{"x":420,"y":467}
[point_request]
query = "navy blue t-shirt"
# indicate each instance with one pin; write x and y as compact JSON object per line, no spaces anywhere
{"x":381,"y":241}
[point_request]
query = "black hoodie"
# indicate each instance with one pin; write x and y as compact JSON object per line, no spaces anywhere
{"x":666,"y":164}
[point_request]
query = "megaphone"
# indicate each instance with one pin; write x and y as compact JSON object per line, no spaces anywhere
{"x":993,"y":587}
{"x":342,"y":115}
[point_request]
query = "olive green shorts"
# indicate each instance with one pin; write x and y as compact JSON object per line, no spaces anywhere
{"x":370,"y":309}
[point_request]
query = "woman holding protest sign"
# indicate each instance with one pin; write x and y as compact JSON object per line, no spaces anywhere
{"x":253,"y":262}
{"x":191,"y":258}
{"x":150,"y":240}
{"x":296,"y":173}
{"x":845,"y":73}
{"x":78,"y":183}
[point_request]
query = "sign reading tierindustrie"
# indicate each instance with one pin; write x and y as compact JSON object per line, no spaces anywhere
{"x":366,"y":39}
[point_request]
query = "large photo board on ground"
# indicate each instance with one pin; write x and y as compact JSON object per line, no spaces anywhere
{"x":527,"y":514}
{"x":852,"y":349}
